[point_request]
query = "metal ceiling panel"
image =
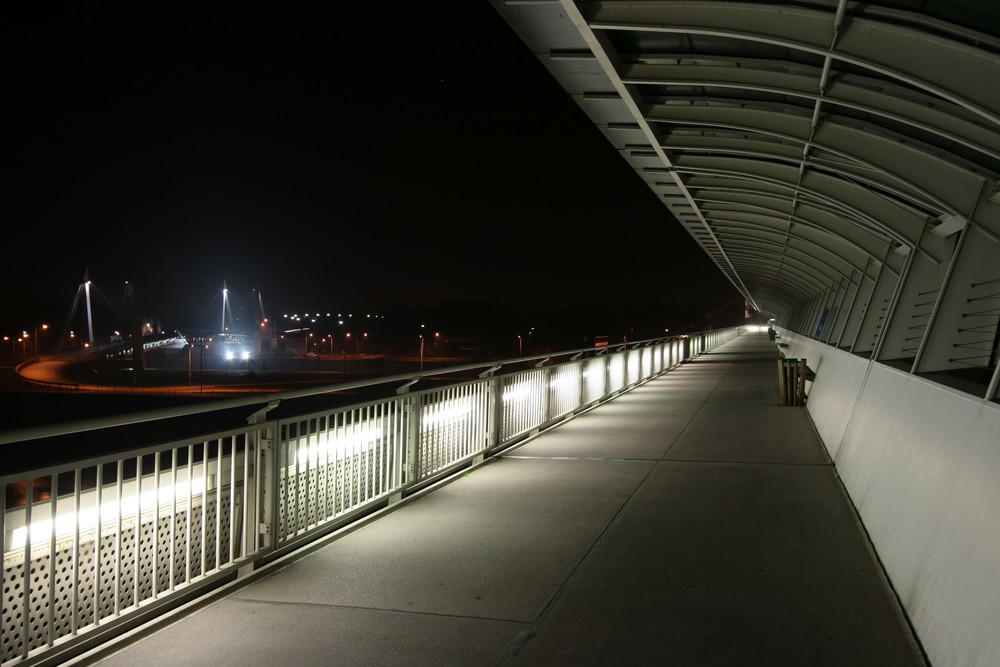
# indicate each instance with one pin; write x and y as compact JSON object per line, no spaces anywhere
{"x":837,"y":133}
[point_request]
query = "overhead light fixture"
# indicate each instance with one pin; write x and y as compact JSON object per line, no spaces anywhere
{"x":995,"y":195}
{"x":948,"y":224}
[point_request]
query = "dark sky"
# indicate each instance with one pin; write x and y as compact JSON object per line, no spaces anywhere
{"x":366,"y":155}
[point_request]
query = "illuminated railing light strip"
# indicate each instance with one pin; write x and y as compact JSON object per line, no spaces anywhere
{"x":447,"y":412}
{"x":337,"y":445}
{"x":85,"y":520}
{"x":516,"y":393}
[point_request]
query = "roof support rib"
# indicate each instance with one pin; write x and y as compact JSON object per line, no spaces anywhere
{"x":600,"y":50}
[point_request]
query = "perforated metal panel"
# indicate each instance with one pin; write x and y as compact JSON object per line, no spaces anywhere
{"x":336,"y":462}
{"x":564,"y":389}
{"x":453,"y":426}
{"x":595,"y":379}
{"x":522,"y":408}
{"x":633,"y":365}
{"x":616,"y":372}
{"x":73,"y":588}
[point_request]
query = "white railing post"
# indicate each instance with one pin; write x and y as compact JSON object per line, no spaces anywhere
{"x":582,"y":380}
{"x":264,"y":479}
{"x":405,"y":470}
{"x":494,"y":412}
{"x":546,"y":412}
{"x":606,"y":358}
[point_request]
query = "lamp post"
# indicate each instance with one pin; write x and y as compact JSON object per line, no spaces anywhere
{"x":347,"y":337}
{"x":37,"y":352}
{"x":421,"y":352}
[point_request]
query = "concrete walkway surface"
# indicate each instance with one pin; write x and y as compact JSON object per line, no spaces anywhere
{"x":691,"y":521}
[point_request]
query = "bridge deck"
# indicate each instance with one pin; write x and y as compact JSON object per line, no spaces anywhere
{"x":692,"y":521}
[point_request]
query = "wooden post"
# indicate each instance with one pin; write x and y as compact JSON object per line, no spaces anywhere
{"x":781,"y":380}
{"x":801,"y":398}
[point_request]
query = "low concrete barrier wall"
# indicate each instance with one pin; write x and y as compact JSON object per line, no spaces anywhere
{"x":921,"y":462}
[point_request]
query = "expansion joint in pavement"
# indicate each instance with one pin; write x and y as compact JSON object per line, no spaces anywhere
{"x":387,"y":610}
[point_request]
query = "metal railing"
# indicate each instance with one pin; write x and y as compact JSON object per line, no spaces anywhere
{"x":94,"y":547}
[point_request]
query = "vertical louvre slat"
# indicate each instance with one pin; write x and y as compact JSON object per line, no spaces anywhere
{"x":328,"y":437}
{"x":190,"y":514}
{"x":303,"y":479}
{"x":137,"y":534}
{"x":29,"y":497}
{"x":203,"y":527}
{"x":117,"y":582}
{"x":76,"y":600}
{"x":284,"y":471}
{"x":247,"y":448}
{"x":365,"y":467}
{"x":220,"y":444}
{"x":341,"y":468}
{"x":154,"y":572}
{"x":232,"y":500}
{"x":172,"y":553}
{"x":293,"y":481}
{"x":52,"y":568}
{"x":98,"y":551}
{"x":361,"y":489}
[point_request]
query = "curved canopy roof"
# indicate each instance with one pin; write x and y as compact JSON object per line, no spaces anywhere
{"x":802,"y":144}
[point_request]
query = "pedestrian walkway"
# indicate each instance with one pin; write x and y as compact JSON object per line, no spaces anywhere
{"x":691,"y":521}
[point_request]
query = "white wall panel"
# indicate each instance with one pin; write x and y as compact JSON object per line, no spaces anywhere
{"x":832,"y":395}
{"x":922,"y":464}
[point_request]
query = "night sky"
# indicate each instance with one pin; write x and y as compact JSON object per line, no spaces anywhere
{"x":408,"y":153}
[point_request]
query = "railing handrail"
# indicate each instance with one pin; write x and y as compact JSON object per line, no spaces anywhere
{"x":29,"y":433}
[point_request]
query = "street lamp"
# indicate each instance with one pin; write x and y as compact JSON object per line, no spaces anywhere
{"x":421,"y":352}
{"x":347,"y":337}
{"x":43,"y":327}
{"x":260,"y":337}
